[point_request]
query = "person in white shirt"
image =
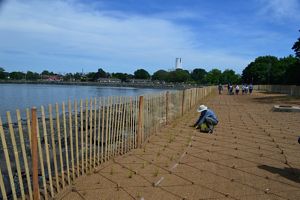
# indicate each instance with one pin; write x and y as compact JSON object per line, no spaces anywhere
{"x":237,"y":89}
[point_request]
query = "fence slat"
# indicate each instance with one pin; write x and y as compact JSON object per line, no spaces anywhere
{"x":102,"y":130}
{"x":86,"y":133}
{"x":140,"y":122}
{"x":118,"y":127}
{"x":59,"y":145}
{"x":81,"y":137}
{"x":91,"y":135}
{"x":40,"y":150}
{"x":22,"y":141}
{"x":109,"y":127}
{"x":76,"y":136}
{"x":7,"y":160}
{"x":95,"y":131}
{"x":47,"y":151}
{"x":106,"y":130}
{"x":28,"y":126}
{"x":114,"y":121}
{"x":66,"y":142}
{"x":53,"y":147}
{"x":2,"y":187}
{"x":123,"y":126}
{"x":16,"y":153}
{"x":71,"y":137}
{"x":99,"y":132}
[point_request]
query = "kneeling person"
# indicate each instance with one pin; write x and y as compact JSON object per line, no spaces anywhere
{"x":208,"y":118}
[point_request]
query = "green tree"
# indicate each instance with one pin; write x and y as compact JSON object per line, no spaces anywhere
{"x":296,"y":47}
{"x":68,"y":77}
{"x":229,"y":76}
{"x":77,"y":76}
{"x":141,"y":74}
{"x":17,"y":75}
{"x":2,"y":73}
{"x":92,"y":76}
{"x":292,"y":72}
{"x":260,"y":71}
{"x":47,"y":73}
{"x":33,"y":76}
{"x":198,"y":75}
{"x":160,"y":75}
{"x":122,"y":76}
{"x":102,"y":74}
{"x":214,"y":76}
{"x":178,"y":76}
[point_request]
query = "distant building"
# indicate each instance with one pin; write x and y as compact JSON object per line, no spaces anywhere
{"x":109,"y":80}
{"x":139,"y":81}
{"x":52,"y":77}
{"x":178,"y":63}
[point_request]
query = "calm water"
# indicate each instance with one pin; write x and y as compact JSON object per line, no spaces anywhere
{"x":22,"y":96}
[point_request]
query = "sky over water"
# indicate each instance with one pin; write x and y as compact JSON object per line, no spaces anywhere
{"x":124,"y":35}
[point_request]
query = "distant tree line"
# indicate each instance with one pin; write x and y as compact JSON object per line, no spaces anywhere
{"x":263,"y":70}
{"x":273,"y":70}
{"x":198,"y":75}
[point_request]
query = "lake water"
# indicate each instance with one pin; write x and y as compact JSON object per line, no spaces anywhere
{"x":22,"y":96}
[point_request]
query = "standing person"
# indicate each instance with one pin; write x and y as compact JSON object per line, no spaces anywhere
{"x":207,"y":118}
{"x":250,"y":88}
{"x":243,"y":89}
{"x":246,"y":89}
{"x":231,"y":90}
{"x":228,"y":87}
{"x":237,"y":89}
{"x":220,"y":88}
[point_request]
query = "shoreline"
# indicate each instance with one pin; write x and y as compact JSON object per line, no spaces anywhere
{"x":123,"y":84}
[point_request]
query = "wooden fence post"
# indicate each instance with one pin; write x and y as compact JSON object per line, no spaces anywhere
{"x":167,"y":106}
{"x":35,"y":178}
{"x":182,"y":103}
{"x":140,"y":122}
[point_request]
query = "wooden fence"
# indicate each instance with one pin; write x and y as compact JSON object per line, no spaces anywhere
{"x":47,"y":150}
{"x":291,"y":90}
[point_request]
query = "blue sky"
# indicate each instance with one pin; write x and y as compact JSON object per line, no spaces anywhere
{"x":124,"y":35}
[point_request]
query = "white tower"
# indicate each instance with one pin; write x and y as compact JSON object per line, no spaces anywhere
{"x":178,"y":63}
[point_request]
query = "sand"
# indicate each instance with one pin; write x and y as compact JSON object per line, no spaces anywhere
{"x":252,"y":154}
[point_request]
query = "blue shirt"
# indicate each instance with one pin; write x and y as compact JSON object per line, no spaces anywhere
{"x":205,"y":114}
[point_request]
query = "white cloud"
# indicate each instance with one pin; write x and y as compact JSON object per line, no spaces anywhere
{"x":66,"y":36}
{"x":280,"y":9}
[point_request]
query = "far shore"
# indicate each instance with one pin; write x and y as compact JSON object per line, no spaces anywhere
{"x":178,"y":86}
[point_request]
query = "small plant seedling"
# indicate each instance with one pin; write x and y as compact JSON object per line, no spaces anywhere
{"x":111,"y":171}
{"x":138,"y":195}
{"x":170,"y":139}
{"x":143,"y":165}
{"x":156,"y":172}
{"x":171,"y":158}
{"x":158,"y":153}
{"x":130,"y":174}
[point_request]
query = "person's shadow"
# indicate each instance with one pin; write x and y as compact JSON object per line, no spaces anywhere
{"x":292,"y":174}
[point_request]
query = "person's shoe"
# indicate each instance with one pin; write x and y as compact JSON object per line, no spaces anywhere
{"x":211,"y":131}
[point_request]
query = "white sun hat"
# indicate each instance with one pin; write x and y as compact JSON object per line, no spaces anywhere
{"x":202,"y":108}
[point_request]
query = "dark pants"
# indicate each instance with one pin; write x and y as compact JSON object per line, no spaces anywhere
{"x":210,"y":122}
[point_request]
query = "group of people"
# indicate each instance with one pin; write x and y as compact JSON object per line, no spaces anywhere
{"x":208,"y":119}
{"x":245,"y":89}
